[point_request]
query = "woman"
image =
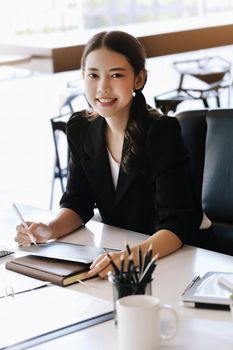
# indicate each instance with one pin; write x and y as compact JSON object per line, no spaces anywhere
{"x":126,"y":158}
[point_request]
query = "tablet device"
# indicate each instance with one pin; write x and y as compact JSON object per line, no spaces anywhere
{"x":208,"y":292}
{"x":65,"y":251}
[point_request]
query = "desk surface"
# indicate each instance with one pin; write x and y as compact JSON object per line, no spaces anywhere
{"x":199,"y":328}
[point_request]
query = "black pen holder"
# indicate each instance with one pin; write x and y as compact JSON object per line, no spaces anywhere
{"x":122,"y":289}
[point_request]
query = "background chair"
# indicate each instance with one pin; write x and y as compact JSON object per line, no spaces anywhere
{"x":168,"y":101}
{"x":200,"y":79}
{"x":208,"y":138}
{"x":75,"y":93}
{"x":205,"y":78}
{"x":61,"y":153}
{"x":10,"y":66}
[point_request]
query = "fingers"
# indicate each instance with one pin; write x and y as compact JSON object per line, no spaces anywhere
{"x":101,"y":270}
{"x":20,"y":228}
{"x":97,"y":260}
{"x":98,"y":266}
{"x":36,"y":232}
{"x":40,"y":231}
{"x":101,"y":266}
{"x":22,"y":237}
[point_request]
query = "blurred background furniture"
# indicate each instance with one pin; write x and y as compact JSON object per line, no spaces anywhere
{"x":76,"y":98}
{"x":10,"y":66}
{"x":61,"y":153}
{"x":214,"y":74}
{"x":208,"y":137}
{"x":201,"y":79}
{"x":10,"y":60}
{"x":168,"y":101}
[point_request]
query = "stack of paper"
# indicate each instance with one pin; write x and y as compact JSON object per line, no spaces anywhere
{"x":36,"y":316}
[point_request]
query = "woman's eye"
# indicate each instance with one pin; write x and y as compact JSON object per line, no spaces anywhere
{"x":92,"y":75}
{"x":117,"y":75}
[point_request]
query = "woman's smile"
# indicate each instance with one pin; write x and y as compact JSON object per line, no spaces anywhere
{"x":106,"y":102}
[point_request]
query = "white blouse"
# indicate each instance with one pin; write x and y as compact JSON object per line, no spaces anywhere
{"x":115,"y":167}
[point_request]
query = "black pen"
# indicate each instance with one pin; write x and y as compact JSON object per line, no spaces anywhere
{"x":149,"y":269}
{"x":129,"y":270}
{"x":139,"y":259}
{"x":134,"y":274}
{"x":122,"y":262}
{"x":128,"y":248}
{"x":115,"y":268}
{"x":145,"y":258}
{"x":147,"y":276}
{"x":150,"y":251}
{"x":194,"y":280}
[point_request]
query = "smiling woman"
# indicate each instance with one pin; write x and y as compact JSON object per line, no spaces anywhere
{"x":126,"y":159}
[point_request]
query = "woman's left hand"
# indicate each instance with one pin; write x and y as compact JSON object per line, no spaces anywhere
{"x":101,"y":265}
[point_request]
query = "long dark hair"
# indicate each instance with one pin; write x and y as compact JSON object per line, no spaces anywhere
{"x":134,"y":52}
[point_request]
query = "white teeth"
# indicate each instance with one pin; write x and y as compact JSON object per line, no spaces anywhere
{"x":106,"y":100}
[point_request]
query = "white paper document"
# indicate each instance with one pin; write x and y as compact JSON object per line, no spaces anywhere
{"x":37,"y":312}
{"x":12,"y":283}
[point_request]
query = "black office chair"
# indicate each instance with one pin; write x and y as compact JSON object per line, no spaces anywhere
{"x":207,"y":135}
{"x":61,"y":152}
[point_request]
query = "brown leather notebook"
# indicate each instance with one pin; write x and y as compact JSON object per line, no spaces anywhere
{"x":60,"y":272}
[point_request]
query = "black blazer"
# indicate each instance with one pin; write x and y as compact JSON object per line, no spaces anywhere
{"x":161,"y":198}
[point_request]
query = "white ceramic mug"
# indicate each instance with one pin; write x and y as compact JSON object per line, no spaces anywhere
{"x":139,"y":322}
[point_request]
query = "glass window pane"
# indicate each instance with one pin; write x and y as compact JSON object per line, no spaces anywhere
{"x":25,"y":17}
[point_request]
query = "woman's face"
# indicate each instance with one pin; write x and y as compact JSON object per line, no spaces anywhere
{"x":109,"y":83}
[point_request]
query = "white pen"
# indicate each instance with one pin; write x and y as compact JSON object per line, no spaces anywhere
{"x":23,"y":222}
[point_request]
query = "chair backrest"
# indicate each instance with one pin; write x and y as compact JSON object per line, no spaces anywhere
{"x":194,"y":127}
{"x":60,"y":144}
{"x":207,"y":69}
{"x":217,"y":193}
{"x":208,"y":137}
{"x":76,"y":99}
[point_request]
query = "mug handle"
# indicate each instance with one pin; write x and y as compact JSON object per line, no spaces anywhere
{"x":175,"y":316}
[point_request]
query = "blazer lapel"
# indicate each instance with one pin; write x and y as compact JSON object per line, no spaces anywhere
{"x":124,"y":182}
{"x":99,"y":171}
{"x":98,"y":167}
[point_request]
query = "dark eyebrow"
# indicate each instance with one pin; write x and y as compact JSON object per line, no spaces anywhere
{"x":95,"y":69}
{"x":117,"y":68}
{"x":111,"y":70}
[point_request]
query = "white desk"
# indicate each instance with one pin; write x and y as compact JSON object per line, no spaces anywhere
{"x":199,"y":328}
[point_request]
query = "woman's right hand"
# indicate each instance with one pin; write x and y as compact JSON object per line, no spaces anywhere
{"x":40,"y":232}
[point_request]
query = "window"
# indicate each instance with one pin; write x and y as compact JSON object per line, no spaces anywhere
{"x":30,"y":17}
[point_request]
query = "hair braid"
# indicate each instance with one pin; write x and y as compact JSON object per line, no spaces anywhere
{"x":133,"y":155}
